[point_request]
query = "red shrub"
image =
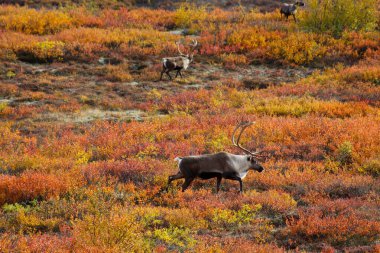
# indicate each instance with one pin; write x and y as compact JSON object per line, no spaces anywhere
{"x":132,"y":170}
{"x":30,"y":186}
{"x":338,"y":229}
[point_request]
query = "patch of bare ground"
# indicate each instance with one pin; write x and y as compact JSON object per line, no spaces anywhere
{"x":70,"y":92}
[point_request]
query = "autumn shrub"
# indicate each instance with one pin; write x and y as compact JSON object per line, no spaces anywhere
{"x":338,"y":16}
{"x":20,"y":219}
{"x":31,"y":21}
{"x":29,"y":186}
{"x":232,"y":60}
{"x":45,"y":51}
{"x":345,"y":153}
{"x":12,"y":140}
{"x":299,"y":48}
{"x":274,"y":201}
{"x":362,"y":74}
{"x":8,"y":90}
{"x":234,"y":244}
{"x":36,"y":243}
{"x":117,"y":74}
{"x":346,"y":187}
{"x":115,"y":230}
{"x":187,"y":102}
{"x":371,"y":167}
{"x":17,"y":164}
{"x":3,"y":108}
{"x":132,"y":170}
{"x":230,"y":219}
{"x":343,"y":229}
{"x":175,"y":236}
{"x":138,"y":18}
{"x":350,"y":84}
{"x":251,"y":38}
{"x":189,"y":15}
{"x":307,"y":105}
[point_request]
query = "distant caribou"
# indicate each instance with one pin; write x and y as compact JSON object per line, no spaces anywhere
{"x":290,"y":10}
{"x":178,"y":63}
{"x":219,"y":165}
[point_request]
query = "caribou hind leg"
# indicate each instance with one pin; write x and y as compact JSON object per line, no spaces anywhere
{"x":187,"y":183}
{"x":162,"y":73}
{"x":218,"y":181}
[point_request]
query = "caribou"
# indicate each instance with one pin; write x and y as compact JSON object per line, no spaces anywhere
{"x":290,"y":10}
{"x":178,"y":63}
{"x":219,"y":165}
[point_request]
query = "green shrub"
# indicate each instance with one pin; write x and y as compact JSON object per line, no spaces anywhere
{"x":345,"y":153}
{"x":188,"y":15}
{"x":3,"y":107}
{"x":174,"y":236}
{"x":371,"y":167}
{"x":229,"y":219}
{"x":44,"y":51}
{"x":336,"y":16}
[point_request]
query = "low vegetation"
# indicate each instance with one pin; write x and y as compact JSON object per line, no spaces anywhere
{"x":88,"y":135}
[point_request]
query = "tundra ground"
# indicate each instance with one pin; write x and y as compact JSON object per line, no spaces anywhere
{"x":88,"y":135}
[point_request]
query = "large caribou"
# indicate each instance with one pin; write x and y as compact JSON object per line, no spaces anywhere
{"x":178,"y":63}
{"x":219,"y":165}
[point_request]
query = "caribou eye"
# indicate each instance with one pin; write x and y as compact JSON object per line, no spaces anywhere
{"x":249,"y":158}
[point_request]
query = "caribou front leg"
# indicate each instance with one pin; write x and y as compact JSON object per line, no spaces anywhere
{"x":170,"y":77}
{"x":179,"y":175}
{"x":187,"y":183}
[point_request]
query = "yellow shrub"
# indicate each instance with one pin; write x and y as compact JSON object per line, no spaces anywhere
{"x":180,"y":237}
{"x":31,"y":21}
{"x":298,"y":48}
{"x":187,"y":14}
{"x":117,"y":231}
{"x":274,"y":200}
{"x":232,"y":60}
{"x":20,"y":219}
{"x":229,"y":219}
{"x":252,"y":37}
{"x":117,"y":74}
{"x":44,"y":51}
{"x":184,"y":218}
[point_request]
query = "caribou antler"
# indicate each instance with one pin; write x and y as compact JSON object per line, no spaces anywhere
{"x":179,"y":50}
{"x":194,"y":43}
{"x":243,"y":126}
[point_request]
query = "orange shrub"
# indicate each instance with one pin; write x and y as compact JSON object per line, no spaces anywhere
{"x":30,"y":186}
{"x":136,"y":171}
{"x":36,"y":243}
{"x":344,"y":229}
{"x":272,"y":200}
{"x":31,"y":21}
